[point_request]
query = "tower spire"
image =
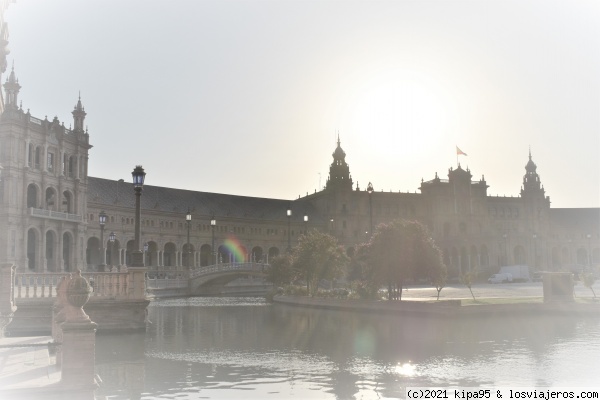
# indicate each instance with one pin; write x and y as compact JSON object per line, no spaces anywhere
{"x":78,"y":115}
{"x":12,"y":88}
{"x":339,"y":171}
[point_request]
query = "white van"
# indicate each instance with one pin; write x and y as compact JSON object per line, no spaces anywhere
{"x":500,"y":278}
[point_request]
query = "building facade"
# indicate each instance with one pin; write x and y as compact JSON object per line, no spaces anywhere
{"x":50,"y":208}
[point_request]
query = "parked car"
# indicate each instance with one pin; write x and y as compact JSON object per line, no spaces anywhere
{"x":500,"y":278}
{"x":537,"y":277}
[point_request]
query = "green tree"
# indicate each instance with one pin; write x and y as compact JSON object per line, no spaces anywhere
{"x":398,"y":252}
{"x":588,"y":281}
{"x":318,"y":256}
{"x":467,"y":279}
{"x":280,"y":272}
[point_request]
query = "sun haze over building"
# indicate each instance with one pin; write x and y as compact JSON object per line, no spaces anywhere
{"x":247,"y":102}
{"x":248,"y":97}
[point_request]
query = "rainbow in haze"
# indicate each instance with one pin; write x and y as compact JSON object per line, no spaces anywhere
{"x":234,"y":247}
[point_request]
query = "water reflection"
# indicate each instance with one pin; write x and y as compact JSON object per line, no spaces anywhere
{"x":228,"y":348}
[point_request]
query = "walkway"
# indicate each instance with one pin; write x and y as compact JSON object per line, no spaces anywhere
{"x":526,"y":289}
{"x":26,"y":366}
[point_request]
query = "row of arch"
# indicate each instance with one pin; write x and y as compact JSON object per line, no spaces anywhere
{"x":50,"y":199}
{"x":170,"y":255}
{"x":51,"y":251}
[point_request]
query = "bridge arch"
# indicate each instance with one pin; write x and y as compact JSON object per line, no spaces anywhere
{"x":211,"y":279}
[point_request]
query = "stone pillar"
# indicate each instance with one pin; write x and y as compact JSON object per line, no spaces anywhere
{"x":78,"y":373}
{"x":558,"y":287}
{"x":136,"y":282}
{"x":7,"y":295}
{"x":58,"y":315}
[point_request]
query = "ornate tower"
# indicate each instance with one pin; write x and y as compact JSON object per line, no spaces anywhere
{"x":532,"y":187}
{"x":339,"y":171}
{"x":12,"y":88}
{"x":78,"y":116}
{"x":536,"y":204}
{"x":43,"y":196}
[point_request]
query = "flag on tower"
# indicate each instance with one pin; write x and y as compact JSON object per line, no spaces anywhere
{"x":460,"y":152}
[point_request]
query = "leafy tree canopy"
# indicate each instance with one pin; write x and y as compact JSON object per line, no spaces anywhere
{"x":401,"y":251}
{"x":318,"y":256}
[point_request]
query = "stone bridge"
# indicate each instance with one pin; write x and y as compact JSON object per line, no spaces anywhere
{"x":212,"y":278}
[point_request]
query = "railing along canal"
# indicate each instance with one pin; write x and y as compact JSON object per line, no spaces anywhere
{"x":110,"y":285}
{"x":228,"y":267}
{"x":43,"y":285}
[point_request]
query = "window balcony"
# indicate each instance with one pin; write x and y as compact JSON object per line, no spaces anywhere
{"x":57,"y":215}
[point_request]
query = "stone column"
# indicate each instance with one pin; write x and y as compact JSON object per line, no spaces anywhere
{"x":136,"y":282}
{"x":79,"y":341}
{"x":7,"y":295}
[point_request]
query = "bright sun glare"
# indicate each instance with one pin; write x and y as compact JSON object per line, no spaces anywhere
{"x":397,"y":114}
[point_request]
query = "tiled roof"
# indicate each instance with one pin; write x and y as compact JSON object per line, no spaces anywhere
{"x":161,"y":199}
{"x":576,"y":218}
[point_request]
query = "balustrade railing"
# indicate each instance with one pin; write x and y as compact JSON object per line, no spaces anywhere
{"x":40,"y":212}
{"x":166,"y":283}
{"x":43,"y":285}
{"x":225,"y":267}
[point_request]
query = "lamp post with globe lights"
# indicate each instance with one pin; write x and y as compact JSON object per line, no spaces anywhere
{"x":111,"y":238}
{"x":289,"y":217}
{"x":138,"y":175}
{"x":213,"y":223}
{"x":370,"y":192}
{"x":102,"y":220}
{"x":188,"y":220}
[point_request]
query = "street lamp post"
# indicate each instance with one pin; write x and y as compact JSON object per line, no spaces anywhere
{"x":102,"y":220}
{"x":370,"y":191}
{"x":188,"y":219}
{"x":145,"y":253}
{"x":289,"y":217}
{"x":589,"y":238}
{"x":213,"y":223}
{"x":305,"y":224}
{"x":111,"y":238}
{"x":534,"y":251}
{"x":138,"y":175}
{"x":505,"y":236}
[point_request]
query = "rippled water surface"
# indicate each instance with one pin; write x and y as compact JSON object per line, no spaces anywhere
{"x":244,"y":348}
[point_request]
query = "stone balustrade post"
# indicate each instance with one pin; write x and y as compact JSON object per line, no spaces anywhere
{"x":58,"y":315}
{"x":78,"y":372}
{"x":136,"y":282}
{"x":7,"y":295}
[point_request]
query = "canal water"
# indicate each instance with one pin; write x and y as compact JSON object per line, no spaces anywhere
{"x":245,"y":348}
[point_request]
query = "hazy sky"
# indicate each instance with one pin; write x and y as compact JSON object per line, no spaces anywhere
{"x":246,"y":97}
